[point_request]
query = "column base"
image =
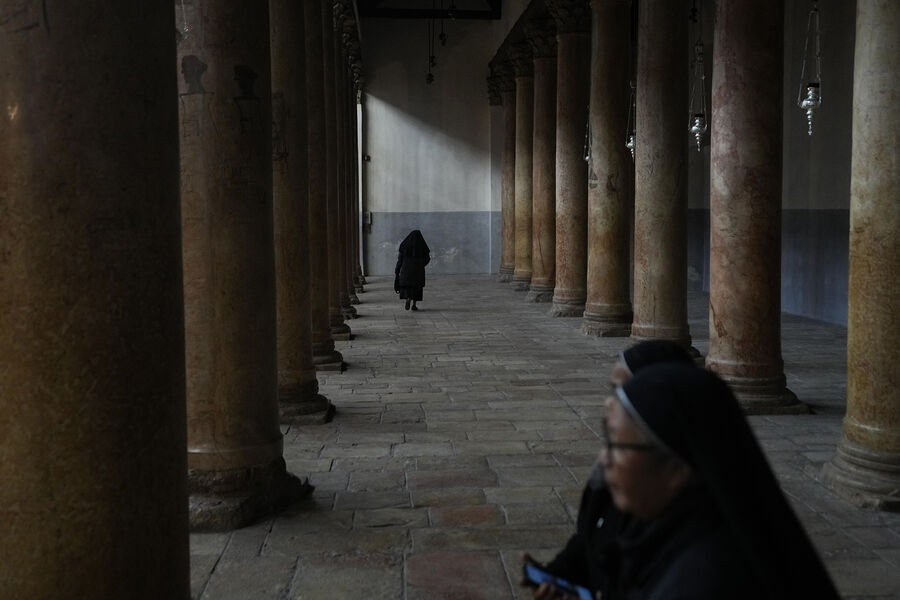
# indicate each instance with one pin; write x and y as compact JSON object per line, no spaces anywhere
{"x":539,"y":293}
{"x":340,"y":332}
{"x":348,"y":312}
{"x":316,"y":411}
{"x":521,"y":282}
{"x":566,"y":307}
{"x":867,"y":478}
{"x":506,"y":274}
{"x":326,"y":358}
{"x":227,"y":500}
{"x":679,"y":335}
{"x":354,"y":299}
{"x":358,"y":288}
{"x":610,"y":324}
{"x":764,"y":395}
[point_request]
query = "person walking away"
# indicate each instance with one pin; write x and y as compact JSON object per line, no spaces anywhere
{"x":409,"y":274}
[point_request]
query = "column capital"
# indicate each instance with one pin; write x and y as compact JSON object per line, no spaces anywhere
{"x":522,"y":62}
{"x":493,"y":88}
{"x":571,"y":16}
{"x":506,"y":80}
{"x":541,"y":35}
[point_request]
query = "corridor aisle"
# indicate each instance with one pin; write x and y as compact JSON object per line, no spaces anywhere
{"x":463,"y":435}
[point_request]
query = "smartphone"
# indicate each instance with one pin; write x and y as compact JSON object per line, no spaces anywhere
{"x":535,"y":576}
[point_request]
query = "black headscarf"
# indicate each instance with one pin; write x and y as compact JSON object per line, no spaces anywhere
{"x":650,"y":352}
{"x":414,"y":245}
{"x":694,"y":414}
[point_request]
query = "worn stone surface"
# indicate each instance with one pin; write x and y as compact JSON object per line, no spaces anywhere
{"x":325,"y":357}
{"x":543,"y":233}
{"x":524,"y":189}
{"x":508,"y":173}
{"x":607,"y":310}
{"x":572,"y":98}
{"x":528,"y":379}
{"x":745,"y":206}
{"x":867,"y":465}
{"x":92,"y":409}
{"x":298,"y":388}
{"x":661,"y":162}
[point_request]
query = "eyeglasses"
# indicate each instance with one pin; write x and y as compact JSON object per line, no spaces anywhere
{"x":611,"y":446}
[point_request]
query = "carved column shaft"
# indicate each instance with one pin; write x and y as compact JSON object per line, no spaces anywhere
{"x":236,"y":472}
{"x":866,"y":467}
{"x":298,"y":388}
{"x":661,"y":161}
{"x":524,"y":69}
{"x":339,"y":329}
{"x":745,"y":204}
{"x":542,"y":36}
{"x":92,"y":345}
{"x":572,"y":97}
{"x":608,"y":308}
{"x":508,"y":177}
{"x":325,"y":357}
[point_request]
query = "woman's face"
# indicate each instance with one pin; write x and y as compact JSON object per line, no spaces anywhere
{"x":641,"y":481}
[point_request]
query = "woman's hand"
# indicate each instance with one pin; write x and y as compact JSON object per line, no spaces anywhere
{"x":544,"y":591}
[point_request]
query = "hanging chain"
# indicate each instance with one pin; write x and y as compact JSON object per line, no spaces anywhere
{"x":185,"y":28}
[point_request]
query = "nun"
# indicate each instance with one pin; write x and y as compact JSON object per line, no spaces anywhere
{"x":409,"y":274}
{"x":705,"y":516}
{"x":581,"y":561}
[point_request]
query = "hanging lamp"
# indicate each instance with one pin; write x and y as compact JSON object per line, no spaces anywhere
{"x":809,"y":96}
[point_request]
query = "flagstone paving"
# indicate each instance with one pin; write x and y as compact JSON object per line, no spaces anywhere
{"x":464,"y":433}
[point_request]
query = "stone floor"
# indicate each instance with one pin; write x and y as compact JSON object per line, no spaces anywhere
{"x":463,"y":435}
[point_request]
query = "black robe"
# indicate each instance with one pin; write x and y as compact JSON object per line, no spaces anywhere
{"x":409,"y":274}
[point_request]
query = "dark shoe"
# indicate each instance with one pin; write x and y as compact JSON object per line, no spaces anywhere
{"x":407,"y":305}
{"x":414,"y":307}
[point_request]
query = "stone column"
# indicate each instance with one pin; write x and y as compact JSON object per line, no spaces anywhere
{"x":572,"y":97}
{"x":93,"y":496}
{"x":866,"y":468}
{"x":336,"y":290}
{"x":350,"y":47}
{"x":520,"y":55}
{"x":608,"y":308}
{"x":236,"y":472}
{"x":298,"y":389}
{"x":541,"y":34}
{"x":507,"y":85}
{"x":745,"y":205}
{"x":661,"y":163}
{"x":325,"y":357}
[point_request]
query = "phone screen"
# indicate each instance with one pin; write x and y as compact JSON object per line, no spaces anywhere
{"x":537,"y":577}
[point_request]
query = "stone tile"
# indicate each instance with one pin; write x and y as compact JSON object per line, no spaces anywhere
{"x":450,"y":479}
{"x":362,"y":500}
{"x":260,"y":577}
{"x":371,"y":481}
{"x":423,"y":449}
{"x":441,"y":575}
{"x":534,"y":476}
{"x":391,"y":517}
{"x":435,"y":539}
{"x":467,"y":516}
{"x":447,"y":497}
{"x":348,"y":575}
{"x":864,"y":577}
{"x":491,"y":448}
{"x":546,"y":513}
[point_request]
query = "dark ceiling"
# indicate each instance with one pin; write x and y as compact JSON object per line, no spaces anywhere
{"x":429,"y":9}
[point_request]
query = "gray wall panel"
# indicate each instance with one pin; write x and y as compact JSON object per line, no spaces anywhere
{"x":460,"y":242}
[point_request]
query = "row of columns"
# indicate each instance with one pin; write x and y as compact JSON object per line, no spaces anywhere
{"x":161,"y":320}
{"x":597,"y":195}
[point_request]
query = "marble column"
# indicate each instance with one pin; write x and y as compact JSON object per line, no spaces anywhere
{"x":607,"y":311}
{"x":91,"y":319}
{"x":507,"y":85}
{"x":298,"y":389}
{"x":572,"y":97}
{"x":541,"y":34}
{"x":745,"y":205}
{"x":236,"y":472}
{"x":866,"y":468}
{"x":661,"y":174}
{"x":337,"y":292}
{"x":325,"y":357}
{"x":520,"y":54}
